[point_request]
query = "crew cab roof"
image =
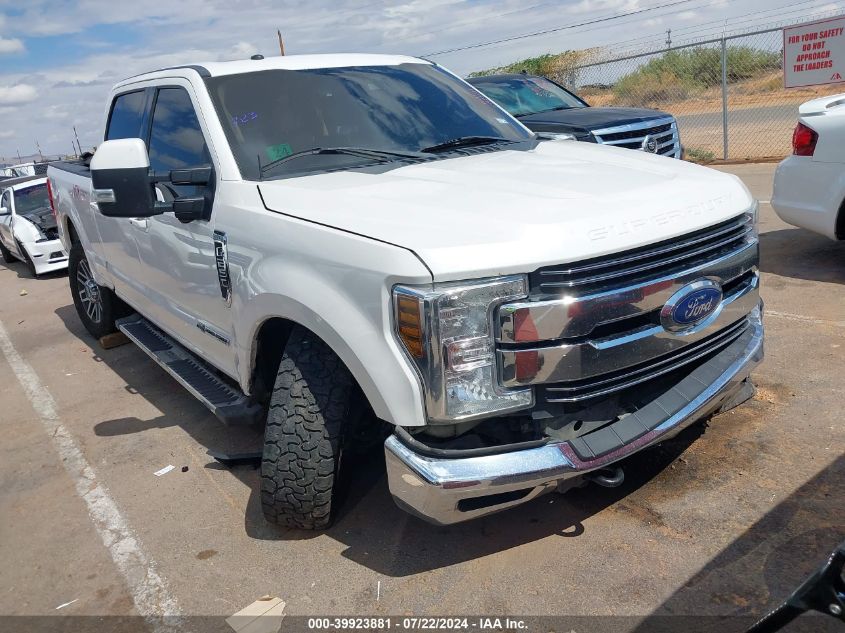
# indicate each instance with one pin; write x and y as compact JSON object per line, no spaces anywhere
{"x":287,"y":62}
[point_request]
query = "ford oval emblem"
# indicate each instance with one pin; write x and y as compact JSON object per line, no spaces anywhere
{"x":691,"y":305}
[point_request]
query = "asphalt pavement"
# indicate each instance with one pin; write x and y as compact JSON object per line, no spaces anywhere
{"x":725,"y":519}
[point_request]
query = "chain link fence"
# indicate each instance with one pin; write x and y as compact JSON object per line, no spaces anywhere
{"x":727,"y":94}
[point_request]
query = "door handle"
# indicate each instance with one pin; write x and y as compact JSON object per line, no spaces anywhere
{"x":141,"y":223}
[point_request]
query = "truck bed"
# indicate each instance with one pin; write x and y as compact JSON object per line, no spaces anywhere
{"x":79,"y":167}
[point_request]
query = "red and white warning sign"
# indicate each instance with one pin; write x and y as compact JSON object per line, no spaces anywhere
{"x":814,"y":53}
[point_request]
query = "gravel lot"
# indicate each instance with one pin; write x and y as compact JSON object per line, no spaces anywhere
{"x":723,"y":520}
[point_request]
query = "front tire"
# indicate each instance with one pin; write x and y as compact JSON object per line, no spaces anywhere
{"x":97,"y":307}
{"x":8,"y":258}
{"x":27,"y":260}
{"x":314,"y":401}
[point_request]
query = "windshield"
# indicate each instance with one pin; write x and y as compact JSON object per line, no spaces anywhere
{"x":269,"y":115}
{"x":31,"y":199}
{"x":528,"y":95}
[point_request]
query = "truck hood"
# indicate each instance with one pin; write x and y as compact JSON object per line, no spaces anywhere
{"x":513,"y":211}
{"x":587,"y":119}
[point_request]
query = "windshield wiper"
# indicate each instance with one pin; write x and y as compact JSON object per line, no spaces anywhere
{"x":464,"y":141}
{"x":378,"y":155}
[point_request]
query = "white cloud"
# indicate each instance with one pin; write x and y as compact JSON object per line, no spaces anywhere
{"x":10,"y":46}
{"x":72,"y":89}
{"x":241,"y":50}
{"x":6,"y":133}
{"x":18,"y":94}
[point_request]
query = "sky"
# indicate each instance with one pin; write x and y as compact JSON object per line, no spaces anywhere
{"x":58,"y":60}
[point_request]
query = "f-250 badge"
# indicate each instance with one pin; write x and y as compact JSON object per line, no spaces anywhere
{"x":221,"y":258}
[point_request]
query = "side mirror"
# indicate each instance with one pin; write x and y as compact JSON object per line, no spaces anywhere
{"x":4,"y":211}
{"x":121,"y":181}
{"x":123,"y":184}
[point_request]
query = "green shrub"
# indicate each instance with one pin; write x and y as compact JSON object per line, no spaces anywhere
{"x":655,"y":86}
{"x":559,"y":67}
{"x":703,"y":156}
{"x":675,"y":74}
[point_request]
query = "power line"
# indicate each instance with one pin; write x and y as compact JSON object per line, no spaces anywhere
{"x":733,"y":21}
{"x":668,"y":13}
{"x":691,"y":30}
{"x":560,"y":28}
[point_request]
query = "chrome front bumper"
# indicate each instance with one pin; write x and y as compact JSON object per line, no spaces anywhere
{"x":449,"y":490}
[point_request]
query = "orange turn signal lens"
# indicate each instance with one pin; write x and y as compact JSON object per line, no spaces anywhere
{"x":409,"y":316}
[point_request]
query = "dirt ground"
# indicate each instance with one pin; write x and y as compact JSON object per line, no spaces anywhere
{"x":724,"y":520}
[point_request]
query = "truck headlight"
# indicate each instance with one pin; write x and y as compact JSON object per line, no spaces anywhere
{"x":447,"y":332}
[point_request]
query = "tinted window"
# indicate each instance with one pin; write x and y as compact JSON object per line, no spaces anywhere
{"x":126,"y":116}
{"x":5,"y":202}
{"x":405,"y":108}
{"x":31,"y":199}
{"x":176,"y":139}
{"x":528,"y":95}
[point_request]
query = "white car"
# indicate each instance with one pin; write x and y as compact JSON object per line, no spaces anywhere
{"x":28,"y":229}
{"x":809,"y":189}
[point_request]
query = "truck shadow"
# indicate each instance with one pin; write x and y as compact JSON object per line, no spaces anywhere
{"x":21,"y":270}
{"x":800,"y":254}
{"x":398,"y":544}
{"x":375,"y":533}
{"x":760,"y":569}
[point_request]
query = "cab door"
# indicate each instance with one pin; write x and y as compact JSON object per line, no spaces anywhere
{"x":178,"y":263}
{"x":118,"y":245}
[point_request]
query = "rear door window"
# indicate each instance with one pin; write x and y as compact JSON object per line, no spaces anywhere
{"x":127,"y":116}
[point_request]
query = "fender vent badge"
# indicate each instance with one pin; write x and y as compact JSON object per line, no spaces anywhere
{"x":221,"y":257}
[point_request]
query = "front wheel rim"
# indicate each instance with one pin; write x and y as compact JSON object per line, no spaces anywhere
{"x":89,"y":292}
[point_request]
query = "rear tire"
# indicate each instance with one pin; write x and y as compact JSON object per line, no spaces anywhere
{"x":315,"y":400}
{"x":8,"y":258}
{"x":97,"y":307}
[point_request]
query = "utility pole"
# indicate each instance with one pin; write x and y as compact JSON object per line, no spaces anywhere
{"x":668,"y":38}
{"x":77,"y":141}
{"x":281,"y":43}
{"x":39,"y":149}
{"x":19,"y":156}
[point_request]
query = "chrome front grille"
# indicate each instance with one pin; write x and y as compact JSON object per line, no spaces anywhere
{"x":594,"y":327}
{"x":664,"y":133}
{"x":655,"y":260}
{"x":580,"y":390}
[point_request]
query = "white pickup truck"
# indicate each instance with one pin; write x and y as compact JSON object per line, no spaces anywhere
{"x":345,"y":248}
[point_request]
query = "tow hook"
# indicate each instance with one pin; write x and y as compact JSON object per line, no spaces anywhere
{"x":607,"y":477}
